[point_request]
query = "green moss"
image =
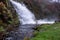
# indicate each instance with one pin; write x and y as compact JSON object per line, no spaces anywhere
{"x":48,"y":32}
{"x":1,"y":29}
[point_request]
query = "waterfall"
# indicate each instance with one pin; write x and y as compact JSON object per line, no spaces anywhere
{"x":25,"y":16}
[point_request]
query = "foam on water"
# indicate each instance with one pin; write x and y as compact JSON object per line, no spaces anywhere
{"x":45,"y":21}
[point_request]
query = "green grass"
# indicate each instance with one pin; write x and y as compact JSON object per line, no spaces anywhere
{"x":48,"y":32}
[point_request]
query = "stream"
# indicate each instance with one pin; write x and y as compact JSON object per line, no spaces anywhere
{"x":28,"y":22}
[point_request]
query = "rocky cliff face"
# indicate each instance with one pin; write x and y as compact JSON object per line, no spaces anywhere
{"x":8,"y":19}
{"x":44,"y":8}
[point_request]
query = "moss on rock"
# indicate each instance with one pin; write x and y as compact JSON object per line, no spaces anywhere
{"x":8,"y":19}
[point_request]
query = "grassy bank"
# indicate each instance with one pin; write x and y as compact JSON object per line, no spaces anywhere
{"x":48,"y":32}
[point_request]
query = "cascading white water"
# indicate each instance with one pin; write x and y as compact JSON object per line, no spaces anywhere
{"x":27,"y":17}
{"x":57,"y":1}
{"x":45,"y":21}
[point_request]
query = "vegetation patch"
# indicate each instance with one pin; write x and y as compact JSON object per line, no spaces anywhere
{"x":48,"y":32}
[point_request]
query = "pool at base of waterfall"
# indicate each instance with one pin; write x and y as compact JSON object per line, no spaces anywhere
{"x":24,"y":31}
